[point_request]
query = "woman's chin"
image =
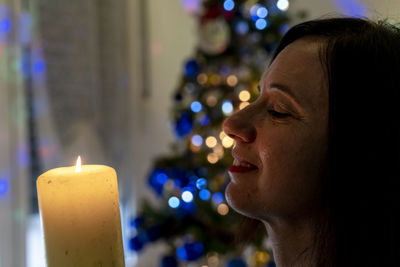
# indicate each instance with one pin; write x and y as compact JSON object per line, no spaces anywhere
{"x":239,"y":200}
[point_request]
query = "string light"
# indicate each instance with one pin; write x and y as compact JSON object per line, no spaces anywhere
{"x":243,"y":105}
{"x":197,"y":140}
{"x":223,"y":209}
{"x":244,"y":95}
{"x":211,"y":141}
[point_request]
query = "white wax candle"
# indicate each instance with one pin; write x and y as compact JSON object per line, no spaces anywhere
{"x":80,"y":217}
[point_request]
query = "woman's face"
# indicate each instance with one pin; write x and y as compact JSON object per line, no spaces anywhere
{"x":281,"y":138}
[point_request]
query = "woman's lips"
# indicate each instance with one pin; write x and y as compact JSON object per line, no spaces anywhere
{"x":241,"y":166}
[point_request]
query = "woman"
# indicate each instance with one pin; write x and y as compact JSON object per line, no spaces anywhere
{"x":317,"y":155}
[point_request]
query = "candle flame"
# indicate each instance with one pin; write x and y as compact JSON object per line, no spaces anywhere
{"x":78,"y":167}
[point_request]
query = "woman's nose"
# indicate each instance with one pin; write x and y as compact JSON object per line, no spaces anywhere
{"x":239,"y":126}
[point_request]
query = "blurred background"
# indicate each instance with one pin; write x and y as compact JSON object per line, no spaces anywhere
{"x":120,"y":83}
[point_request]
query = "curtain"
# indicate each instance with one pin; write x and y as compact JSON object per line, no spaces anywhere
{"x":14,"y":145}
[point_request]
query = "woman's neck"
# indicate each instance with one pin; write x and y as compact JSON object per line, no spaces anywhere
{"x":291,"y":241}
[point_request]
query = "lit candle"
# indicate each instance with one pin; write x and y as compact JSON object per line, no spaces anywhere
{"x":79,"y":209}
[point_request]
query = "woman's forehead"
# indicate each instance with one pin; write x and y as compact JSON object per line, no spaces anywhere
{"x":298,"y":67}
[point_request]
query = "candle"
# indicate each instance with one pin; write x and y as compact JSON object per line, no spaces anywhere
{"x":79,"y":209}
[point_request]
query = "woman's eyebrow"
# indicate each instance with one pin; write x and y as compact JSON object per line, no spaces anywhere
{"x":285,"y":89}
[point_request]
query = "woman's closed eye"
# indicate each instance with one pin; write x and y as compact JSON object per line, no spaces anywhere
{"x":277,"y":114}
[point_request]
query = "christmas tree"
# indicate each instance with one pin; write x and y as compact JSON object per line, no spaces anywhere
{"x":236,"y":41}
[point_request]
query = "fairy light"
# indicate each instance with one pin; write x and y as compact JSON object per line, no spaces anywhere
{"x":244,"y":95}
{"x":223,"y":209}
{"x":211,"y":141}
{"x":243,"y":105}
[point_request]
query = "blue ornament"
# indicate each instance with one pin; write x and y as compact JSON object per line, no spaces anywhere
{"x":236,"y":263}
{"x":183,"y":125}
{"x":169,"y":261}
{"x":191,"y":68}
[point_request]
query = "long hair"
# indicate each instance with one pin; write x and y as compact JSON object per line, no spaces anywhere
{"x":359,"y":223}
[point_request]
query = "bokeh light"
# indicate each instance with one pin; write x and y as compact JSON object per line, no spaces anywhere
{"x":161,"y":178}
{"x":196,"y":106}
{"x":204,"y":120}
{"x":204,"y":194}
{"x":215,"y":79}
{"x":197,"y":140}
{"x":187,"y":196}
{"x":261,"y":24}
{"x":262,"y":12}
{"x":202,"y":78}
{"x":223,"y":209}
{"x":201,"y":183}
{"x":227,"y":142}
{"x":232,"y":80}
{"x":212,"y":158}
{"x":244,"y":95}
{"x":211,"y":100}
{"x":243,"y":105}
{"x":242,"y":27}
{"x":191,"y":6}
{"x":3,"y":187}
{"x":222,"y":134}
{"x":229,"y":5}
{"x":283,"y":5}
{"x":211,"y":141}
{"x":217,"y":198}
{"x":227,"y":107}
{"x":173,"y":202}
